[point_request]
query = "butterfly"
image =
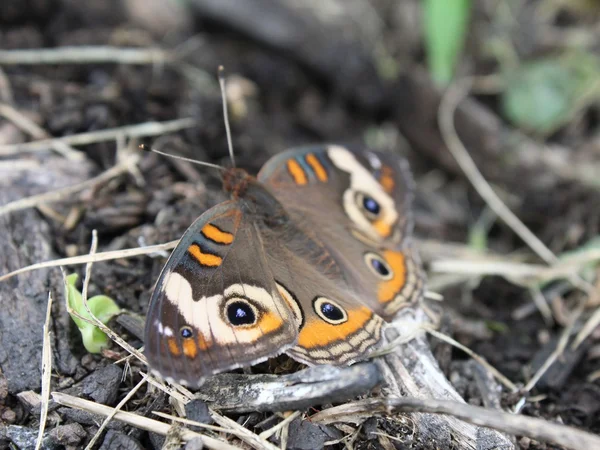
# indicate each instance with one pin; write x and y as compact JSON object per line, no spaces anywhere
{"x":310,"y":258}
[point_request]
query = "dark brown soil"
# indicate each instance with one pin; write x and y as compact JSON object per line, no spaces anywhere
{"x":320,"y":85}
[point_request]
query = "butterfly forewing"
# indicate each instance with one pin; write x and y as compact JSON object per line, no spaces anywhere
{"x":216,"y":299}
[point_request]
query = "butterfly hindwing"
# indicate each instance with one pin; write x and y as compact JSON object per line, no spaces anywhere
{"x":216,"y":305}
{"x":334,"y":326}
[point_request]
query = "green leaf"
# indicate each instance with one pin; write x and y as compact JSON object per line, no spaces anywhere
{"x":101,"y":306}
{"x":445,"y":27}
{"x":543,"y":95}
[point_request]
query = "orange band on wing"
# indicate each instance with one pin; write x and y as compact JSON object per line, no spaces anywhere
{"x":173,"y":347}
{"x":205,"y":259}
{"x":388,"y":290}
{"x":297,"y":172}
{"x":317,"y":167}
{"x":217,"y":235}
{"x":383,"y":228}
{"x":203,"y":343}
{"x":190,"y":349}
{"x":387,"y":179}
{"x":317,"y":333}
{"x":270,"y":322}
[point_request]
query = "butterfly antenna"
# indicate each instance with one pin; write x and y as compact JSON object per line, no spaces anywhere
{"x":225,"y":115}
{"x":181,"y":158}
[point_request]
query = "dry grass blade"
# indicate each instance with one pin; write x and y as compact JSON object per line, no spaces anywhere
{"x":243,"y":433}
{"x":271,"y":431}
{"x":122,"y":403}
{"x":84,"y":259}
{"x":180,"y":393}
{"x":590,"y":325}
{"x":495,"y":372}
{"x":83,"y":55}
{"x":46,"y":374}
{"x":136,"y":420}
{"x":448,"y":105}
{"x":560,"y":348}
{"x":191,"y":422}
{"x":63,"y":193}
{"x":29,"y":126}
{"x":129,"y":131}
{"x":514,"y":424}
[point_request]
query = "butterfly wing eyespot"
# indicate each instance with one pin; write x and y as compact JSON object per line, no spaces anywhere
{"x":240,"y":312}
{"x":378,"y":266}
{"x":368,"y":205}
{"x":330,"y":311}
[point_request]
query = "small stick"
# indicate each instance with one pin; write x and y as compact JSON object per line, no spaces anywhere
{"x":29,"y":126}
{"x":84,"y":55}
{"x":114,"y":411}
{"x":84,"y":259}
{"x":46,"y":374}
{"x":61,"y":194}
{"x":243,"y":433}
{"x":130,"y":131}
{"x":136,"y":420}
{"x":515,"y":424}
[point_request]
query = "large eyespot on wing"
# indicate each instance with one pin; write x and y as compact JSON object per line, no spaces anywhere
{"x":365,"y":201}
{"x":336,"y":333}
{"x":216,"y":305}
{"x":397,"y":277}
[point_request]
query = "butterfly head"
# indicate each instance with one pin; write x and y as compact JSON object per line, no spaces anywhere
{"x":236,"y":181}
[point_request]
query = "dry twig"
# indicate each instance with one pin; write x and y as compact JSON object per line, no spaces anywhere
{"x":538,"y":429}
{"x":46,"y":374}
{"x":136,"y":420}
{"x":91,"y":137}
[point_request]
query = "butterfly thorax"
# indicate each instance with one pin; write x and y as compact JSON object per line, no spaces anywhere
{"x":255,"y":196}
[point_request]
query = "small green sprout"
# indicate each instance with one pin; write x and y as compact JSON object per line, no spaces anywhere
{"x":445,"y":25}
{"x":101,"y":306}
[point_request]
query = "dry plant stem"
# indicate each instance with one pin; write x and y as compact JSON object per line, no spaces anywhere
{"x":411,"y":370}
{"x":84,"y":293}
{"x":29,"y":126}
{"x":84,"y":55}
{"x":505,"y":381}
{"x":271,"y":431}
{"x":46,"y":374}
{"x":587,"y":329}
{"x":183,"y":398}
{"x":191,"y":422}
{"x":243,"y":433}
{"x":560,"y":348}
{"x":537,"y":429}
{"x":136,"y":420}
{"x":114,"y":411}
{"x":129,"y":131}
{"x":84,"y":259}
{"x":448,"y":106}
{"x":63,"y":193}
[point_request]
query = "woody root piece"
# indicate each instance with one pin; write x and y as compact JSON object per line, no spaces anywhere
{"x":409,"y":370}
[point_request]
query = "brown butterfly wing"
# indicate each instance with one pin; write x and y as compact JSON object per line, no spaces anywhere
{"x":216,"y":305}
{"x":359,"y":206}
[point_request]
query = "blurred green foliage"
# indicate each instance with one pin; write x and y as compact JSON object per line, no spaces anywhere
{"x":543,"y":95}
{"x":445,"y":26}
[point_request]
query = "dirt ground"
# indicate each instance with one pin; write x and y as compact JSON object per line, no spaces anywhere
{"x":328,"y":71}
